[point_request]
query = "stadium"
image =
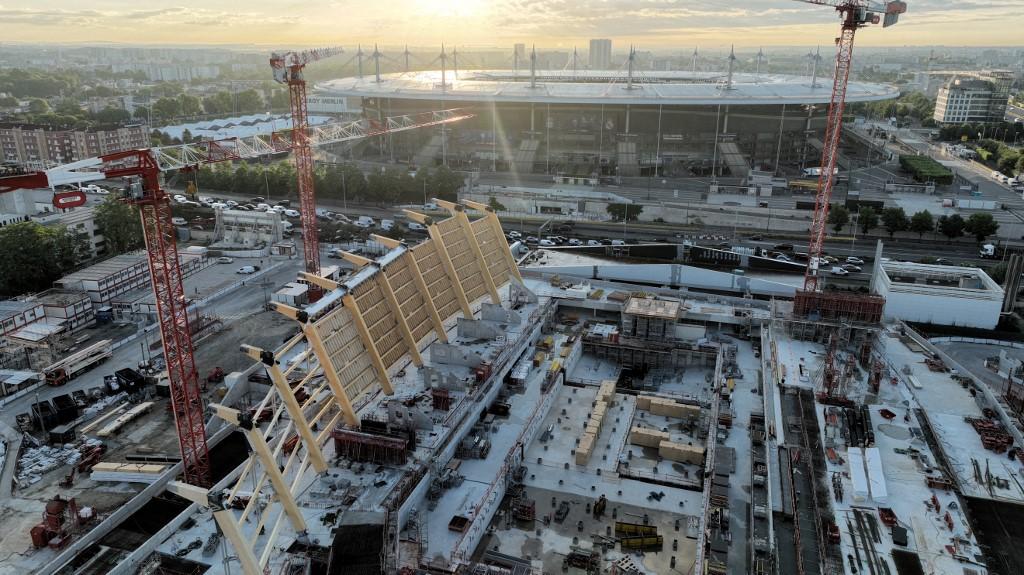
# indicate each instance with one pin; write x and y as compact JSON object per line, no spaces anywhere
{"x":603,"y":124}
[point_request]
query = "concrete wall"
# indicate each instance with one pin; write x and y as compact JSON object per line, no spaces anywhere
{"x":676,"y":275}
{"x":941,"y":310}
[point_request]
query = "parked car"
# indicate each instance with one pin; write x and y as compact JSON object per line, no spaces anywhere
{"x":515,"y":235}
{"x":575,"y":242}
{"x":291,"y":213}
{"x":546,"y":243}
{"x":854,"y":260}
{"x":593,"y":243}
{"x":618,"y":242}
{"x":218,"y":205}
{"x":178,"y":221}
{"x":852,"y":268}
{"x":278,"y":209}
{"x":231,"y":203}
{"x":225,"y":260}
{"x":531,"y":239}
{"x":387,"y":225}
{"x":416,"y":227}
{"x":257,"y":200}
{"x":247,"y":270}
{"x":180,"y":198}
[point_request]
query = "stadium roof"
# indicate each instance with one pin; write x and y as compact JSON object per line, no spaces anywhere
{"x":603,"y":87}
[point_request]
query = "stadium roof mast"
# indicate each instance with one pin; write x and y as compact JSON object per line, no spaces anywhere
{"x":630,"y":61}
{"x":376,"y":63}
{"x":533,"y":67}
{"x":855,"y":14}
{"x":406,"y":54}
{"x":695,"y":59}
{"x":815,"y":59}
{"x":760,"y":57}
{"x":732,"y":64}
{"x":359,"y":59}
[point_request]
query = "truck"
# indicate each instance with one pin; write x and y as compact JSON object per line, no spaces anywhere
{"x":990,"y":252}
{"x":77,"y":363}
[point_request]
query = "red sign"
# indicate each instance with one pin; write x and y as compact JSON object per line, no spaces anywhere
{"x":69,"y":199}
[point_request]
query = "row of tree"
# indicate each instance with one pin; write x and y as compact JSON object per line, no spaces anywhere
{"x":913,"y":105}
{"x":32,"y":256}
{"x":343,"y":181}
{"x":1006,"y":159}
{"x":893,"y":220}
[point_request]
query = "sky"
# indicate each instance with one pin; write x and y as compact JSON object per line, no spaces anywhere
{"x":650,"y":24}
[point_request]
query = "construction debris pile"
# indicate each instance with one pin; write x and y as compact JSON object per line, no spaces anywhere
{"x":35,"y":461}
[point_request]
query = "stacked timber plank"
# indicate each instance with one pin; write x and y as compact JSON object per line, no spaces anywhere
{"x":127,"y":472}
{"x":115,"y":426}
{"x":593,"y":427}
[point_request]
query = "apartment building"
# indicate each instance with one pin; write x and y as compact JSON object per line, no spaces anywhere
{"x":25,"y":143}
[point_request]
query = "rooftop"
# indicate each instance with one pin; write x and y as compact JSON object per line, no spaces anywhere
{"x":650,"y":307}
{"x":601,"y":87}
{"x":105,"y":268}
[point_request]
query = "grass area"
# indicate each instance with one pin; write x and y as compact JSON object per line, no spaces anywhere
{"x":925,"y":169}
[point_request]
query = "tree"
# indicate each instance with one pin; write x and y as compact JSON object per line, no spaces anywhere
{"x":446,"y":184}
{"x":981,"y":226}
{"x":867,"y":219}
{"x":28,"y":261}
{"x":279,"y":100}
{"x":38,"y":106}
{"x":8,"y":102}
{"x":496,"y":205}
{"x":922,"y":223}
{"x":894,"y":220}
{"x":167,"y":108}
{"x":112,"y":116}
{"x":249,"y":101}
{"x":618,"y":212}
{"x":838,"y":217}
{"x":119,"y":222}
{"x":951,"y":226}
{"x":219,"y":103}
{"x":190,"y":105}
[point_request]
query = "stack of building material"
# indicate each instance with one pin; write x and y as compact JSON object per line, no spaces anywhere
{"x":858,"y":475}
{"x":584,"y":450}
{"x":876,"y":477}
{"x":643,"y":402}
{"x":682,"y":453}
{"x":133,"y":413}
{"x":127,"y":472}
{"x":647,"y":437}
{"x":593,"y":428}
{"x":669,"y":408}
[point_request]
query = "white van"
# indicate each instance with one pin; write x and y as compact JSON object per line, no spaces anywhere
{"x":618,"y":243}
{"x":838,"y":271}
{"x":291,"y":213}
{"x":178,"y":221}
{"x":386,"y":225}
{"x":262,"y":207}
{"x":416,"y":227}
{"x":365,"y":222}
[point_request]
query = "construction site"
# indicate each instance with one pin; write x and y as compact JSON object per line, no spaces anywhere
{"x":449,"y":407}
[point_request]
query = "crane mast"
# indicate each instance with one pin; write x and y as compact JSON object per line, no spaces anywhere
{"x":855,"y":14}
{"x":289,"y":69}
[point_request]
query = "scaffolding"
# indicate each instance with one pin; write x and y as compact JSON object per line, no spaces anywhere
{"x":862,"y":308}
{"x":380,"y":449}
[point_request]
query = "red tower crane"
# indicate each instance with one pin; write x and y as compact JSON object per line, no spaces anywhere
{"x":141,"y":173}
{"x":288,"y":69}
{"x":855,"y":14}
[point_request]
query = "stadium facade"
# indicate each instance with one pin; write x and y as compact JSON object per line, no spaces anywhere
{"x":603,"y":124}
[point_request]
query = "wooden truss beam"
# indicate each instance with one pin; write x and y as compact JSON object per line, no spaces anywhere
{"x":460,"y":216}
{"x":266,"y":457}
{"x":499,"y":232}
{"x":284,"y":390}
{"x":364,"y":333}
{"x":225,"y":521}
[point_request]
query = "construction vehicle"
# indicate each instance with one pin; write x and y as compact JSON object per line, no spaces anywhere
{"x":77,"y":363}
{"x":855,"y":14}
{"x":990,"y":252}
{"x":141,"y":174}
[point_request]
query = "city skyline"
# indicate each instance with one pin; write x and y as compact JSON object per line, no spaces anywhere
{"x":653,"y":24}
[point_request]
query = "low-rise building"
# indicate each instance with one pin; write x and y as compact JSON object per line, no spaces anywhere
{"x":942,"y":295}
{"x":15,"y":314}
